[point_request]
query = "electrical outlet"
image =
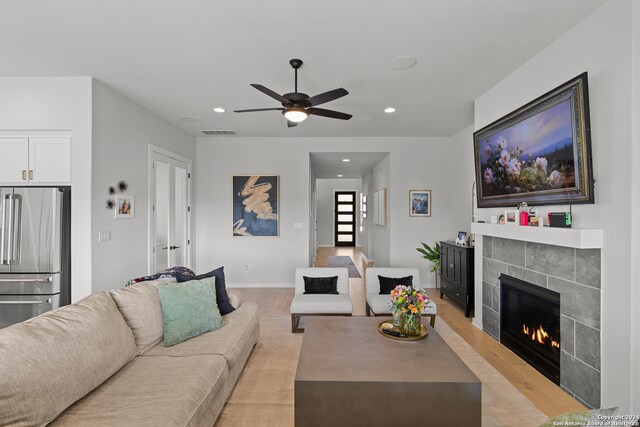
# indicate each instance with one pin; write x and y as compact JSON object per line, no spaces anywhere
{"x":245,"y":269}
{"x":104,"y":236}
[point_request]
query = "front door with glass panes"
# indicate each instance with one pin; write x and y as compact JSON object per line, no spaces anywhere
{"x":345,"y":218}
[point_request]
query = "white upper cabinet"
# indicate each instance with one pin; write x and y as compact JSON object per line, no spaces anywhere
{"x":14,"y":160}
{"x":37,"y":160}
{"x":49,"y":160}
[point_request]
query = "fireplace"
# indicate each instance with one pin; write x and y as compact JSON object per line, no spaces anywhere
{"x":530,"y":324}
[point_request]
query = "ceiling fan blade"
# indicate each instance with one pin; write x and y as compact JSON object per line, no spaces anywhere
{"x":258,"y":109}
{"x":271,"y":93}
{"x":291,"y":124}
{"x":327,"y":96}
{"x":329,"y":113}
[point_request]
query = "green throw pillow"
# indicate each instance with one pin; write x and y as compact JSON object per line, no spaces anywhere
{"x":188,"y":310}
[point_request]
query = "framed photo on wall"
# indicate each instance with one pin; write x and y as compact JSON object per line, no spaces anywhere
{"x":124,"y":206}
{"x":256,"y":205}
{"x":419,"y":202}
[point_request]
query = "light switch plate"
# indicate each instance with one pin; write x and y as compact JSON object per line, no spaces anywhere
{"x":297,"y":226}
{"x":104,"y":236}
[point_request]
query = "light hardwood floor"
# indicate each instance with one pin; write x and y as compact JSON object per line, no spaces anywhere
{"x":265,"y":388}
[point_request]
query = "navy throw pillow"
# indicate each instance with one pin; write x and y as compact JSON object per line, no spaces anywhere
{"x":387,"y":284}
{"x":221,"y":289}
{"x":321,"y":285}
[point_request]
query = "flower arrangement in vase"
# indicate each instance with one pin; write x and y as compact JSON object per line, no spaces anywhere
{"x":407,"y":304}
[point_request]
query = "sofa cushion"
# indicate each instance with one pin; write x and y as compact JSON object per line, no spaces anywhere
{"x":189,"y":310}
{"x":140,"y":307}
{"x":222,"y":299}
{"x":153,"y":391}
{"x":240,"y":331}
{"x":50,"y":361}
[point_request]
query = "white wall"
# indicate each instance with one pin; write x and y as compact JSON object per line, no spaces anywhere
{"x":601,"y":45}
{"x":414,"y":163}
{"x":635,"y":195}
{"x":122,"y":132}
{"x":59,"y":103}
{"x":326,"y":189}
{"x":367,"y":223}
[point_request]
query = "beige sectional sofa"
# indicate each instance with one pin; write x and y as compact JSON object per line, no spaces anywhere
{"x":101,"y":362}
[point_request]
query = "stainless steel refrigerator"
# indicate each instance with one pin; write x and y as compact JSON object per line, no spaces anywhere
{"x":35,"y":251}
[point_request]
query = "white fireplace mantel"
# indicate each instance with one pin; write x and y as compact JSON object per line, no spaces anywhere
{"x":580,"y":238}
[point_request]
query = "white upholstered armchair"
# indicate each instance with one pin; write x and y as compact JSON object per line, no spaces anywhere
{"x":320,"y":304}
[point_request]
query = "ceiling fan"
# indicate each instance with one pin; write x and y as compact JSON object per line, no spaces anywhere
{"x":297,"y":106}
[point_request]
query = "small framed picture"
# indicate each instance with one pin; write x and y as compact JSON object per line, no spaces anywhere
{"x":124,"y":206}
{"x":512,"y":217}
{"x":462,"y":238}
{"x":419,"y":202}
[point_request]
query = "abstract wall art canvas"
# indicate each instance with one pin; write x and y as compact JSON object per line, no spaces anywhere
{"x":256,"y":206}
{"x":540,"y":153}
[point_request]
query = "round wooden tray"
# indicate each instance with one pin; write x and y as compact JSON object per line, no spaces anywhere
{"x":423,"y":333}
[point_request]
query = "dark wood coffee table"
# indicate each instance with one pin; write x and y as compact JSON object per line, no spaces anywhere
{"x":350,"y":375}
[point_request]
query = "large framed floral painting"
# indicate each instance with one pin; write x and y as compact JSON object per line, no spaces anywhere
{"x":255,"y":205}
{"x":540,"y":153}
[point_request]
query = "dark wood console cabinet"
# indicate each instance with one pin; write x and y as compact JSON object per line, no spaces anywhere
{"x":456,"y":275}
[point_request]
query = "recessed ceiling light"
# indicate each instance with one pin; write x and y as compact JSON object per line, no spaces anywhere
{"x":346,"y":160}
{"x":389,"y":110}
{"x":403,"y":62}
{"x":340,"y":176}
{"x":219,"y":110}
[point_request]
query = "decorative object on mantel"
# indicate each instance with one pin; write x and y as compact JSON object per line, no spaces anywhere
{"x":540,"y":153}
{"x":579,"y":238}
{"x":407,"y":303}
{"x":512,"y":217}
{"x":433,"y":255}
{"x":124,"y":206}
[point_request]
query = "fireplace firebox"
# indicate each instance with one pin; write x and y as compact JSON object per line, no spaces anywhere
{"x":530,"y":324}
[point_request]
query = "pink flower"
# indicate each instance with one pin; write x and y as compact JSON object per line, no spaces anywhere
{"x":541,"y":165}
{"x":502,"y":143}
{"x":504,"y":158}
{"x":514,"y":167}
{"x":488,"y":176}
{"x":556,"y":179}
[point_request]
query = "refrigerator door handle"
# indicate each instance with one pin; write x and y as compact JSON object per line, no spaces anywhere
{"x":15,"y":228}
{"x":37,"y":302}
{"x":27,"y":280}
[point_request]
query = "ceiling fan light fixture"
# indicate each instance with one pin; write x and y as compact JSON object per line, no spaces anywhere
{"x":295,"y":114}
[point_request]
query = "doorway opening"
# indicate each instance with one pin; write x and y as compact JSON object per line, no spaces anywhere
{"x":169,"y":210}
{"x":345,"y":218}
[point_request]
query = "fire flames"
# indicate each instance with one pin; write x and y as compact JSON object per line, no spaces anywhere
{"x":540,"y":335}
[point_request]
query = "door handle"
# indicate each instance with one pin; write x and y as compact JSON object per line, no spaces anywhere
{"x":37,"y":280}
{"x":24,"y":174}
{"x":30,"y":174}
{"x":174,"y":247}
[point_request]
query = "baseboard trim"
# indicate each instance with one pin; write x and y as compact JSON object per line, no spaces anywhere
{"x":260,"y":285}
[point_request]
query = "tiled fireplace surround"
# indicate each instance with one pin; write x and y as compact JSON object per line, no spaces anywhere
{"x":575,"y":274}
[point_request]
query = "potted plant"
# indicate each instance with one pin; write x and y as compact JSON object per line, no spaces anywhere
{"x":432,"y":254}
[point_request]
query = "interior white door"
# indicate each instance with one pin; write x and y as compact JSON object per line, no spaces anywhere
{"x":170,"y":240}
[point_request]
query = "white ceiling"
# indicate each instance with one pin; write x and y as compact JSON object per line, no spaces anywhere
{"x":330,"y":165}
{"x":180,"y":58}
